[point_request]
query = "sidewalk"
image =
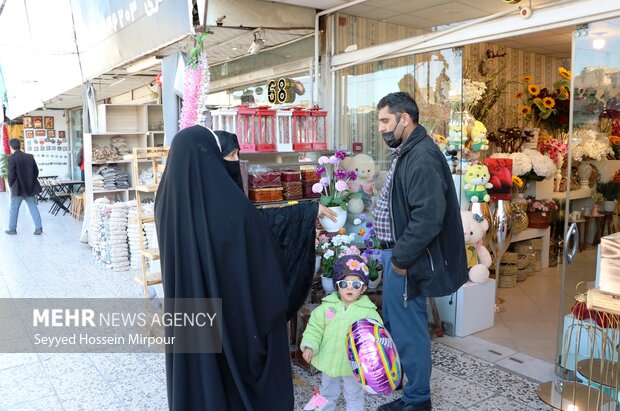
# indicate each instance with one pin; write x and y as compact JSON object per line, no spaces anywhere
{"x":468,"y":374}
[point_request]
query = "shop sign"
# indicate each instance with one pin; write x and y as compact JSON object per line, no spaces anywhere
{"x":111,"y":33}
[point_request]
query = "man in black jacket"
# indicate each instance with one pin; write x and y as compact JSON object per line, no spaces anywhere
{"x":23,"y":173}
{"x":417,"y":219}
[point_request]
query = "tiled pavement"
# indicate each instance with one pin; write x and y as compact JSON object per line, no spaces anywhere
{"x":468,"y":373}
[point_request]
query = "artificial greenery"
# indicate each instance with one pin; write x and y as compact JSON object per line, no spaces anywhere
{"x":610,"y":190}
{"x":4,"y":166}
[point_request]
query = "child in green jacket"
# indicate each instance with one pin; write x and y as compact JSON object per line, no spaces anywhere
{"x":324,"y":340}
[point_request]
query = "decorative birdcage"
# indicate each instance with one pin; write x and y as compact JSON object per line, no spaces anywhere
{"x":284,"y":130}
{"x":302,"y":139}
{"x":224,"y":118}
{"x":319,"y":129}
{"x":256,"y":129}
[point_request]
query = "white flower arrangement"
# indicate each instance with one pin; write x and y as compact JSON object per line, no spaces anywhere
{"x":589,"y":147}
{"x":472,"y":92}
{"x":529,"y":162}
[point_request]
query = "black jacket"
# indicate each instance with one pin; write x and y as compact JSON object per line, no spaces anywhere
{"x":23,"y":173}
{"x":426,"y":219}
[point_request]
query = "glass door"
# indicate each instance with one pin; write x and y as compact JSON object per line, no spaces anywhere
{"x":594,"y":121}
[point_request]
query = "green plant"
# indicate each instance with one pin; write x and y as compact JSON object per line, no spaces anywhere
{"x":4,"y":166}
{"x":609,"y":190}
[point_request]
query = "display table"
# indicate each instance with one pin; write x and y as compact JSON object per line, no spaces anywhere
{"x":530,"y":233}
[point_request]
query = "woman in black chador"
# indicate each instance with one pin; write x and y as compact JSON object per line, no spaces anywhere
{"x":215,"y":244}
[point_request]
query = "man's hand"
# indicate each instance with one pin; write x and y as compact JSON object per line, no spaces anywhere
{"x":399,"y":271}
{"x":326,"y":212}
{"x":307,"y":354}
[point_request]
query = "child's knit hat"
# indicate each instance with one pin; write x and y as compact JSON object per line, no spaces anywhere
{"x":350,"y":265}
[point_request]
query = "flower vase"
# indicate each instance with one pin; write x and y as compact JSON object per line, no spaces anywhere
{"x":328,"y":284}
{"x":501,"y":229}
{"x":585,"y":172}
{"x":333,"y":227}
{"x":372,"y":284}
{"x":609,"y":206}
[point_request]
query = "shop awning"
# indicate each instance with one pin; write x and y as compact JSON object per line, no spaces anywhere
{"x":47,"y":48}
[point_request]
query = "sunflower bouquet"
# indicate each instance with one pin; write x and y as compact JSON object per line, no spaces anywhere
{"x":546,"y":106}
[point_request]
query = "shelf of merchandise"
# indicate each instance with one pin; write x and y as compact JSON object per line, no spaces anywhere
{"x":131,"y":122}
{"x":157,"y":157}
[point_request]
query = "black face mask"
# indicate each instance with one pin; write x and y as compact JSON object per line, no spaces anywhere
{"x":234,"y":170}
{"x":389,"y":137}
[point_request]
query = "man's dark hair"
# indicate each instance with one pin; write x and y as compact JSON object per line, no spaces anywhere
{"x":15,"y":144}
{"x":400,"y":102}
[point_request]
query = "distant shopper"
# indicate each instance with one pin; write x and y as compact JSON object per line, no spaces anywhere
{"x":80,"y":161}
{"x":23,"y":173}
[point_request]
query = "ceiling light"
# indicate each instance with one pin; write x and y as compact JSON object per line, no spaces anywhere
{"x":257,"y":45}
{"x":117,"y":81}
{"x":143,"y":64}
{"x":598,"y":43}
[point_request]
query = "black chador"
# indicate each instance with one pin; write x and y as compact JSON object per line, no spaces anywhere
{"x":215,"y":244}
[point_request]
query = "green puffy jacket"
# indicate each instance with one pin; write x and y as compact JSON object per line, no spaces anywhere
{"x":326,"y":332}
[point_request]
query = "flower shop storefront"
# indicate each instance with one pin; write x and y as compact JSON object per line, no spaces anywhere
{"x":544,"y":127}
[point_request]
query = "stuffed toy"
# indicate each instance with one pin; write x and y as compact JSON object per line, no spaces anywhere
{"x":455,"y":138}
{"x":365,"y":168}
{"x":479,"y":137}
{"x":479,"y":259}
{"x":476,"y":183}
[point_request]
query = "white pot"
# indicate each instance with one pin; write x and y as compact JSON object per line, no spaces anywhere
{"x":374,"y":284}
{"x":331,"y":226}
{"x":585,"y":172}
{"x":328,"y":284}
{"x":609,"y":206}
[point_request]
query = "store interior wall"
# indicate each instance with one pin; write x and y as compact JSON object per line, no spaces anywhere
{"x":52,"y":158}
{"x":510,"y":65}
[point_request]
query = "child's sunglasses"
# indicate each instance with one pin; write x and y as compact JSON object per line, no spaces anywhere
{"x":343,"y":284}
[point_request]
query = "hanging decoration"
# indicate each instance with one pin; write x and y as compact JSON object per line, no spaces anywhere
{"x":196,"y":86}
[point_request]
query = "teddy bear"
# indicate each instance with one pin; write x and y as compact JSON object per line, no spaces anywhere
{"x":365,"y":168}
{"x":479,"y":259}
{"x":478,"y":136}
{"x":477,"y":179}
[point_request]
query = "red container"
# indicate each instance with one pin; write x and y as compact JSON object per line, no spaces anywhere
{"x":290,"y":175}
{"x":264,"y":195}
{"x":264,"y":179}
{"x":309,"y":175}
{"x":292,"y":190}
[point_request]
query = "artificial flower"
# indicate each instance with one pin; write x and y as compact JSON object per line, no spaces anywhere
{"x":334,"y":181}
{"x":564,"y":73}
{"x":525,"y":110}
{"x":544,"y":206}
{"x":516,"y":181}
{"x":548,"y":102}
{"x":341,"y":185}
{"x":354,"y":265}
{"x":533,"y":89}
{"x":589,"y":147}
{"x":518,"y":94}
{"x":361,"y":232}
{"x":323,"y":160}
{"x":526,"y":79}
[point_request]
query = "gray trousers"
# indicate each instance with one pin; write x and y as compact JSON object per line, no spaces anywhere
{"x":353,"y":392}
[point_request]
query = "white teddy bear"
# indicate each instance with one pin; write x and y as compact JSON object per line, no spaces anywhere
{"x":478,"y":257}
{"x":365,"y":168}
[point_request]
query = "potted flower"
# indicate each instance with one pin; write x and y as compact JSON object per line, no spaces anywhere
{"x":539,"y":212}
{"x":610,"y":191}
{"x":372,"y":253}
{"x":331,"y":249}
{"x":333,"y":189}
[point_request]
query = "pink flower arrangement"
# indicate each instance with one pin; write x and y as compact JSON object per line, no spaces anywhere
{"x":544,"y":206}
{"x":196,"y":84}
{"x":333,"y":182}
{"x":555,"y":149}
